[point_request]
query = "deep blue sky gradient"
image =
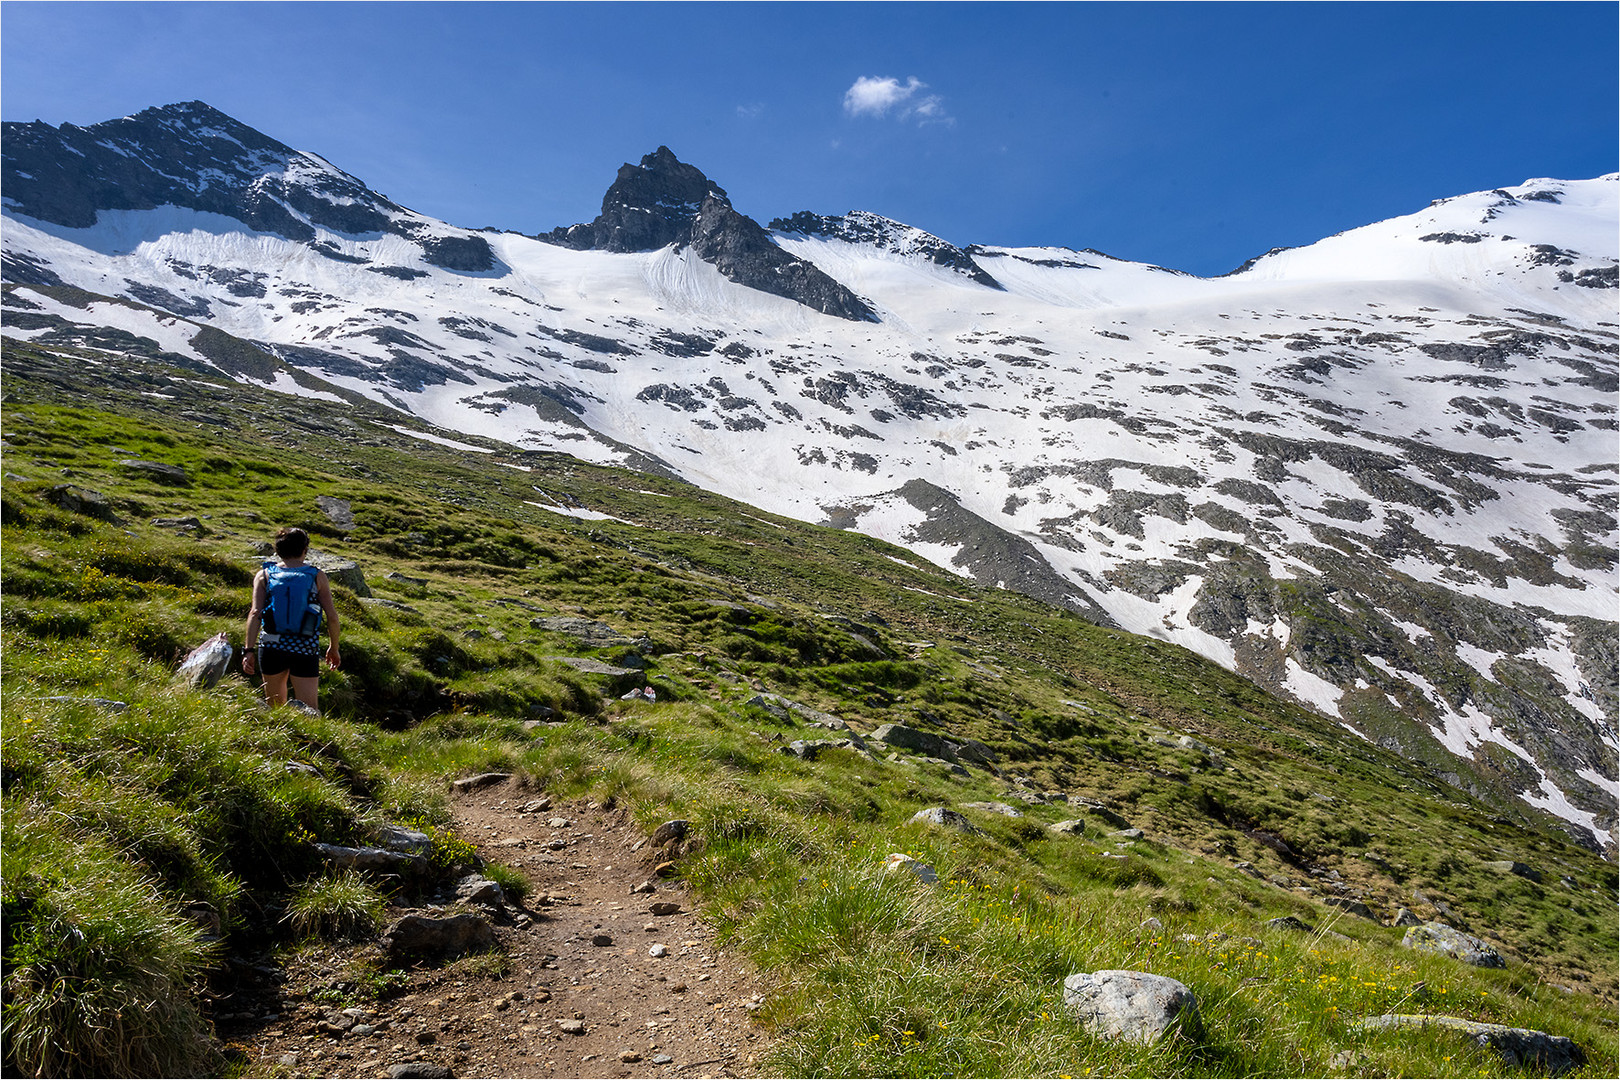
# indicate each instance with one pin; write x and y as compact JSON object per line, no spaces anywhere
{"x":1189,"y":135}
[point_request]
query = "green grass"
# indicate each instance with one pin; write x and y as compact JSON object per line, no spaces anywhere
{"x":118,"y":820}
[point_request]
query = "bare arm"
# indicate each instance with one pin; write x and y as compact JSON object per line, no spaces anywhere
{"x":250,"y":635}
{"x":323,"y":594}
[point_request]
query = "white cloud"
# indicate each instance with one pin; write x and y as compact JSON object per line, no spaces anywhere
{"x":876,"y":96}
{"x":751,"y":112}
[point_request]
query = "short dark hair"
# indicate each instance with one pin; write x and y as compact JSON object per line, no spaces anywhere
{"x":291,"y":543}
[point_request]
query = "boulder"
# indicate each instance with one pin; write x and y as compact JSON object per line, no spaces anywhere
{"x":594,"y":667}
{"x":77,"y":500}
{"x":372,"y":859}
{"x":781,"y":708}
{"x":419,"y":1070}
{"x":449,"y":935}
{"x":809,"y":749}
{"x":1437,"y":937}
{"x":399,"y":838}
{"x":1288,"y":922}
{"x":670,"y":830}
{"x":1098,"y":810}
{"x":337,"y":511}
{"x":1354,"y":907}
{"x":1508,"y":866}
{"x":345,"y":572}
{"x":1403,"y":917}
{"x":479,"y":890}
{"x":1132,"y":1005}
{"x":589,"y":632}
{"x":157,"y":470}
{"x":1517,"y":1047}
{"x":470,"y":783}
{"x":1073,"y":827}
{"x":906,"y":738}
{"x":899,"y":862}
{"x":208,"y":662}
{"x":943,"y":818}
{"x":192,"y":524}
{"x":994,"y":808}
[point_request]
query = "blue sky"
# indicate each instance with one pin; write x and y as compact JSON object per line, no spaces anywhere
{"x":1189,"y":135}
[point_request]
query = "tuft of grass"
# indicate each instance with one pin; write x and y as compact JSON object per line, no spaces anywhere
{"x":99,"y":967}
{"x":341,"y":906}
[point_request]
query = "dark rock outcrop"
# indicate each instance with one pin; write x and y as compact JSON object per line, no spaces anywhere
{"x":194,"y":156}
{"x":863,"y":227}
{"x":664,"y":201}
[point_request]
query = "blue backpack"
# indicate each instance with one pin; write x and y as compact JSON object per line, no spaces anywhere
{"x":294,"y":609}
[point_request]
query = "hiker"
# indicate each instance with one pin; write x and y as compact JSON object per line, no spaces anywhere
{"x":284,"y":624}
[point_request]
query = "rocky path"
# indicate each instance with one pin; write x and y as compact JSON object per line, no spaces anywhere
{"x":599,"y":980}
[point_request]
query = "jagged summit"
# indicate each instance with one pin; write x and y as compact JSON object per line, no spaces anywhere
{"x":191,"y":155}
{"x":649,"y":206}
{"x":663,"y":201}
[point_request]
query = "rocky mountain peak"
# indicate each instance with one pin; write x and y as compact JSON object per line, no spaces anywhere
{"x":648,"y":206}
{"x":191,"y":155}
{"x":663,"y":201}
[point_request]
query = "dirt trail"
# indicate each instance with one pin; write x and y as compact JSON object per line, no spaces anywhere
{"x":596,"y":984}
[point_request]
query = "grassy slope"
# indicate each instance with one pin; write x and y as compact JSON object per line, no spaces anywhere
{"x":964,"y":977}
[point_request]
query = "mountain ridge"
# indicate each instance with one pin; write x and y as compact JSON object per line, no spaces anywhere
{"x":1349,"y":472}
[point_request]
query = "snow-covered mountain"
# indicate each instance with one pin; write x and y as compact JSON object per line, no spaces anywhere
{"x":1377,"y":473}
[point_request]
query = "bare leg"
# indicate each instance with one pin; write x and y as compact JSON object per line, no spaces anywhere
{"x":275,"y":688}
{"x":306,"y":688}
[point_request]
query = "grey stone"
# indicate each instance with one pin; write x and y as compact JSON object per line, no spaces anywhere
{"x":1128,"y":834}
{"x":1403,"y":917}
{"x":781,"y":708}
{"x":447,"y":936}
{"x":479,"y":890}
{"x":593,"y":667}
{"x":1132,"y":1005}
{"x":420,"y":1070}
{"x":907,"y":738}
{"x":944,"y":818}
{"x":571,"y":1027}
{"x":470,"y":783}
{"x":670,"y":830}
{"x":921,"y":871}
{"x":662,"y":1059}
{"x":337,"y":511}
{"x":1288,"y":922}
{"x":157,"y":470}
{"x":587,"y":631}
{"x":393,"y":605}
{"x":1507,"y":866}
{"x":994,"y":808}
{"x":1437,"y":937}
{"x":1553,"y":1054}
{"x":810,"y":749}
{"x":77,"y":500}
{"x":372,"y":859}
{"x":176,"y":523}
{"x":208,"y":662}
{"x":1354,"y":907}
{"x":1073,"y":827}
{"x":345,"y":572}
{"x":1098,"y":810}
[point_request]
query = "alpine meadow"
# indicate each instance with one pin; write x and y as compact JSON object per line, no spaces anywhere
{"x":809,"y":648}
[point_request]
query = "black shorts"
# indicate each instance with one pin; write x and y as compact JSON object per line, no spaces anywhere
{"x":273,"y":661}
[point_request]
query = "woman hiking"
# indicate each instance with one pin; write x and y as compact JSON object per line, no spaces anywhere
{"x":283,"y":627}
